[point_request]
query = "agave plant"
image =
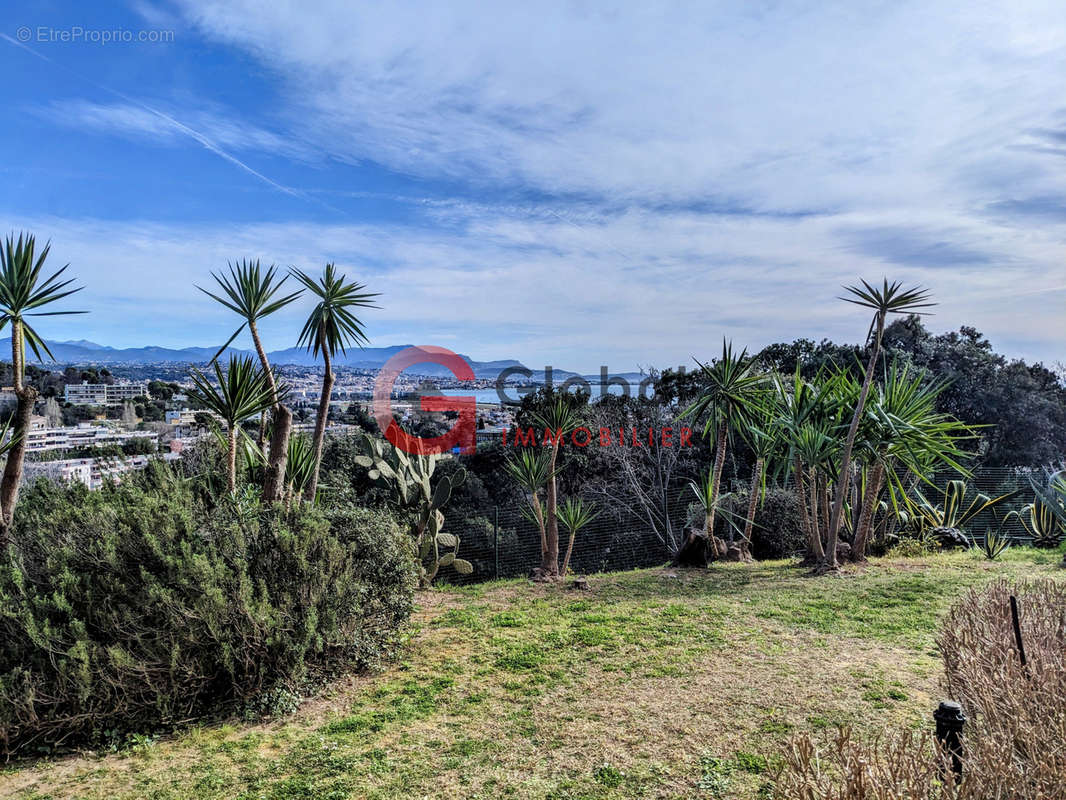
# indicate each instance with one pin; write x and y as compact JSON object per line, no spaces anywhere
{"x":574,"y":514}
{"x":1041,"y":523}
{"x":1044,"y":519}
{"x":993,"y":545}
{"x":957,"y":510}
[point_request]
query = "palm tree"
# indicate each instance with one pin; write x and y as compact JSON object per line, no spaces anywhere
{"x":249,"y":293}
{"x":888,"y":299}
{"x":243,"y":391}
{"x":331,"y":327}
{"x":531,"y":469}
{"x":810,"y":422}
{"x":764,"y":436}
{"x":728,"y":398}
{"x":559,"y":419}
{"x":22,"y":294}
{"x":902,"y":426}
{"x":574,"y":515}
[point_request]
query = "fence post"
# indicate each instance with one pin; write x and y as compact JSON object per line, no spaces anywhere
{"x":496,"y":539}
{"x":949,"y":724}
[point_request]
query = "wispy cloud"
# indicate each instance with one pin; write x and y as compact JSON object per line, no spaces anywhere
{"x":502,"y":285}
{"x":163,"y":128}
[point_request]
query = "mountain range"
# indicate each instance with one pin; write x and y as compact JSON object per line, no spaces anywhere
{"x":82,"y":352}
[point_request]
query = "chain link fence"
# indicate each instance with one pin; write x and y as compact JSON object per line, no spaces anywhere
{"x":504,"y":542}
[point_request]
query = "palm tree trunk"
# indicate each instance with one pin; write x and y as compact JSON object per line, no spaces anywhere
{"x":801,"y":497}
{"x":830,"y":562}
{"x":320,"y":424}
{"x":866,"y":518}
{"x":231,"y":459}
{"x":274,"y":479}
{"x":26,"y":397}
{"x":550,"y":563}
{"x":753,"y":501}
{"x":716,"y":480}
{"x":261,"y":437}
{"x":569,"y":551}
{"x":538,"y":512}
{"x":814,"y":485}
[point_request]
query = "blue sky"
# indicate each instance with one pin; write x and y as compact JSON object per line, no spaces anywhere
{"x":557,"y":182}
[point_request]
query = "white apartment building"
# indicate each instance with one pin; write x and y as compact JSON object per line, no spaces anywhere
{"x":90,"y":471}
{"x":40,"y":437}
{"x":103,"y":394}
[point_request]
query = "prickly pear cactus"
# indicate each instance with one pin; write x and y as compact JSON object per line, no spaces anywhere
{"x":409,"y":478}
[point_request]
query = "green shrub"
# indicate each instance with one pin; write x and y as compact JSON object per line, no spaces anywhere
{"x":133,"y":609}
{"x":778,"y":530}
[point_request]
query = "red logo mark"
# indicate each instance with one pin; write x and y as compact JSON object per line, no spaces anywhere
{"x":462,"y":435}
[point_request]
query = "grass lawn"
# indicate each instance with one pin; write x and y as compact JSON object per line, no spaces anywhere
{"x":657,"y":683}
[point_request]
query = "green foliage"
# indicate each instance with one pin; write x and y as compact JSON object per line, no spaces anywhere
{"x":23,"y":293}
{"x":242,"y":390}
{"x":954,"y":511}
{"x":249,"y":292}
{"x":409,"y":476}
{"x":134,"y":608}
{"x":993,"y":545}
{"x":731,"y":392}
{"x":1051,"y":500}
{"x":778,"y":531}
{"x":1041,"y":522}
{"x":332,"y":326}
{"x":301,"y":465}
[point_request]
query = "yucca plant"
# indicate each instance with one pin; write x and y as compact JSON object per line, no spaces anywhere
{"x":300,"y":471}
{"x":23,"y":293}
{"x":807,"y":417}
{"x":766,"y":440}
{"x":560,"y":417}
{"x":242,"y":391}
{"x":574,"y":514}
{"x":331,"y":327}
{"x":249,"y":456}
{"x":732,"y":389}
{"x":531,"y":469}
{"x":888,"y":299}
{"x":901,"y":428}
{"x":252,"y":294}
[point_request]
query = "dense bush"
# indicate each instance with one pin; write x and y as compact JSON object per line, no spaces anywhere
{"x":132,"y":608}
{"x":778,"y":531}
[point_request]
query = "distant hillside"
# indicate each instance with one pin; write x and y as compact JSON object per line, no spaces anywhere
{"x":84,"y":352}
